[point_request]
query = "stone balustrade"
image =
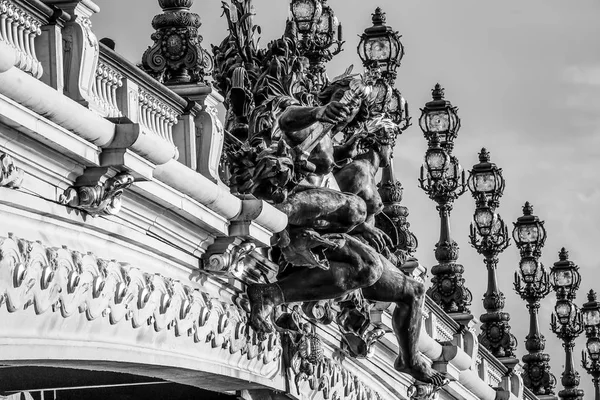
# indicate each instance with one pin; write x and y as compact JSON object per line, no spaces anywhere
{"x":104,"y":90}
{"x":20,"y":25}
{"x":121,"y":90}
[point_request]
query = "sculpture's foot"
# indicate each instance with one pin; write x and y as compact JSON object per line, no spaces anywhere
{"x":262,"y":299}
{"x":421,"y":371}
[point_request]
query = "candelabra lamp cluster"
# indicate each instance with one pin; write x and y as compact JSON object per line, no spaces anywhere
{"x":532,"y":284}
{"x":489,"y":236}
{"x":567,"y":320}
{"x":443,"y":179}
{"x":591,"y":355}
{"x":319,"y":36}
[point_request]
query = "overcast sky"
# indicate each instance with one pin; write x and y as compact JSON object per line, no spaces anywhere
{"x":525,"y":75}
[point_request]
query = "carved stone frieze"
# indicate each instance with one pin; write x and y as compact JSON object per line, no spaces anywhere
{"x":68,"y":282}
{"x":11,"y":176}
{"x":101,"y":199}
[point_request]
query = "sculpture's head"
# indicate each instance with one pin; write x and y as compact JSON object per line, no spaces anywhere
{"x":381,"y":137}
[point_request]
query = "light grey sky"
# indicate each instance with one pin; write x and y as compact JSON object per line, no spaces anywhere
{"x":525,"y":75}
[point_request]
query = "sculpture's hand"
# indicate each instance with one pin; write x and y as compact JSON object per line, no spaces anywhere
{"x":333,"y":113}
{"x":375,"y":237}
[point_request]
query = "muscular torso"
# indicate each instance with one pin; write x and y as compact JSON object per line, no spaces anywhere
{"x":358,"y":178}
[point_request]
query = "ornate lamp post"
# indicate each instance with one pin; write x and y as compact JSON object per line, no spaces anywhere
{"x":489,"y":236}
{"x":567,"y":321}
{"x":443,"y":180}
{"x":591,"y":356}
{"x":319,"y":35}
{"x":532,"y":284}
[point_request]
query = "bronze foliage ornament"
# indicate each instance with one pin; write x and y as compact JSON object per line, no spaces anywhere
{"x":177,"y":56}
{"x":314,"y":153}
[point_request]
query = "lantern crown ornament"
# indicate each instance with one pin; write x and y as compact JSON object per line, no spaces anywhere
{"x":439,"y":117}
{"x":380,"y":47}
{"x":177,"y":56}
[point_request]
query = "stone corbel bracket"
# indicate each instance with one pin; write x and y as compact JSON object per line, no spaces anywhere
{"x":228,"y":256}
{"x":11,"y":176}
{"x":69,"y":283}
{"x":102,"y":194}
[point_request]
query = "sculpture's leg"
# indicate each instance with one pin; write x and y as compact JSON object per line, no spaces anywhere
{"x":409,"y":296}
{"x":353,"y":266}
{"x":325,"y":210}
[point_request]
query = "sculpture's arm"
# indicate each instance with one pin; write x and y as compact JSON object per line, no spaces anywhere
{"x":349,"y":150}
{"x":296,"y":118}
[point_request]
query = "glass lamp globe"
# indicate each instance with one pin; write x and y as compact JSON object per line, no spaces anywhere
{"x":593,"y":348}
{"x":380,"y":45}
{"x":529,"y":231}
{"x":484,"y":220}
{"x":564,"y":309}
{"x":439,"y":117}
{"x":306,"y":13}
{"x":529,"y":269}
{"x":565,"y":277}
{"x":486,"y":178}
{"x":436,"y":162}
{"x":591,"y":311}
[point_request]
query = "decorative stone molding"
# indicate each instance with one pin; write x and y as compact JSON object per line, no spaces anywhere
{"x":210,"y":140}
{"x":100,"y":199}
{"x":81,"y":50}
{"x":11,"y":176}
{"x":19,"y":28}
{"x":68,"y":282}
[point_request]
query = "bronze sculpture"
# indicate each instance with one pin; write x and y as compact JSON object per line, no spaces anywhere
{"x":288,"y":156}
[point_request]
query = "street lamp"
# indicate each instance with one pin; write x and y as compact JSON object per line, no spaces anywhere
{"x":443,"y":180}
{"x":489,"y":236}
{"x":532,"y":284}
{"x":567,"y":321}
{"x":591,"y":356}
{"x":439,"y":117}
{"x":380,"y":48}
